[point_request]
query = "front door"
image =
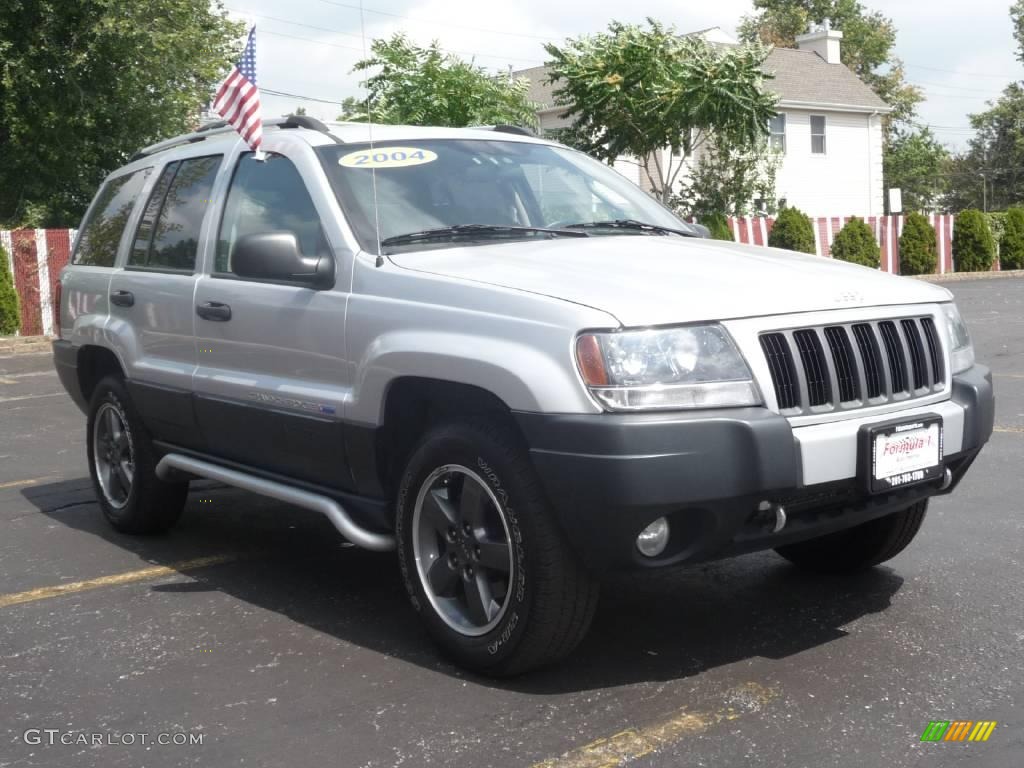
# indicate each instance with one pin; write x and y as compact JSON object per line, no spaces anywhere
{"x":272,"y":377}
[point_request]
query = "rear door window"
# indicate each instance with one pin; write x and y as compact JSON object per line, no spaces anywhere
{"x":168,"y":234}
{"x":102,"y":229}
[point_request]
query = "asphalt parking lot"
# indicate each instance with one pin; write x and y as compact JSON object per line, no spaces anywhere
{"x":255,"y":627}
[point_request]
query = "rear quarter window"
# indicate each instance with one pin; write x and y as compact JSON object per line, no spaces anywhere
{"x":105,"y":223}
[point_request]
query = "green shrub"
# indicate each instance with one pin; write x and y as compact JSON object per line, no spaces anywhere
{"x":974,"y":248}
{"x":1011,"y":249}
{"x":856,"y":244}
{"x":10,"y":315}
{"x":918,"y":254}
{"x":718,"y":225}
{"x":793,"y":231}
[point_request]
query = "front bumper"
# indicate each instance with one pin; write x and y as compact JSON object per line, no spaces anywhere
{"x":609,"y":476}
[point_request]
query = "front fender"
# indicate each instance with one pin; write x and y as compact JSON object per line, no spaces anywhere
{"x":523,"y":375}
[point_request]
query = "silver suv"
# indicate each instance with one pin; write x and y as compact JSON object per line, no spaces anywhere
{"x":501,"y":358}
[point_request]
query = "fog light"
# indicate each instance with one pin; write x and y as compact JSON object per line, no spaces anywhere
{"x":654,"y":538}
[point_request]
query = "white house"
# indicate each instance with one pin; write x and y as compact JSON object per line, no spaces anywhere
{"x":829,"y":126}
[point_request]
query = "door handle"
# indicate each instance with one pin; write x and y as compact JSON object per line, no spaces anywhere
{"x":122,"y":298}
{"x":214,"y":310}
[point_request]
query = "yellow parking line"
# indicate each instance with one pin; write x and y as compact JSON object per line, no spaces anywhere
{"x":143,"y":574}
{"x":634,"y":743}
{"x":33,"y":481}
{"x":1011,"y":430}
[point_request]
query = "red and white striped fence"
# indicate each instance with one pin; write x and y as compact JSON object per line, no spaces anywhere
{"x":754,"y":230}
{"x":36,"y":256}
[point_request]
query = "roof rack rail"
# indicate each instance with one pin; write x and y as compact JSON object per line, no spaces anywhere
{"x":222,"y":126}
{"x":518,"y":130}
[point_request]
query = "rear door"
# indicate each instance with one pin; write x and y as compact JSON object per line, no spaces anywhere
{"x":272,"y":377}
{"x":84,"y":308}
{"x":151,"y":297}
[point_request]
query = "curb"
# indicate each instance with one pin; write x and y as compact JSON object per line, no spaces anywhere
{"x":954,"y":277}
{"x":24,"y":345}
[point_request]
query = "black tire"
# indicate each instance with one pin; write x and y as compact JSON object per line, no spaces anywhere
{"x":861,"y":547}
{"x":150,"y":505}
{"x":550,"y":599}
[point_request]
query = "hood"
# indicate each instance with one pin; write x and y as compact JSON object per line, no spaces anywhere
{"x":654,"y":280}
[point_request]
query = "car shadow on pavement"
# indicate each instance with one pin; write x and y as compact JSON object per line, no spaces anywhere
{"x":656,"y":626}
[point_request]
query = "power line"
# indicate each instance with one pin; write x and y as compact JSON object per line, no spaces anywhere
{"x":438,"y":23}
{"x":299,"y":96}
{"x":1002,"y":77}
{"x":356,"y":48}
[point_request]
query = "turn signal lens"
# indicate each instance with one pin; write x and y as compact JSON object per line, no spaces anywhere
{"x":591,"y":361}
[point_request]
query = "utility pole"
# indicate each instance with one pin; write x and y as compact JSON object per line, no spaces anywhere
{"x":984,"y":193}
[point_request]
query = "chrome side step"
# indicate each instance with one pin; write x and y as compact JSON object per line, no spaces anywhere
{"x":378,"y":542}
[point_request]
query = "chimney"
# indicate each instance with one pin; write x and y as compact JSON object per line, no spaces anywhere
{"x":823,"y":41}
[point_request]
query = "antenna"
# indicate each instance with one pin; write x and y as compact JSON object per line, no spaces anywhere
{"x":369,"y":123}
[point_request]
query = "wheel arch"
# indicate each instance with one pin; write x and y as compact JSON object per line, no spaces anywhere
{"x":414,"y":404}
{"x":94,"y":363}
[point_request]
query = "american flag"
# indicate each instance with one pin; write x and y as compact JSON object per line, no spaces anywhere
{"x":238,"y":100}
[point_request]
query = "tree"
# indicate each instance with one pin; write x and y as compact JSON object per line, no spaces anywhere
{"x":413,"y":85}
{"x":638,"y":91}
{"x":868,"y":41}
{"x":918,"y":164}
{"x":1011,"y":247}
{"x":973,"y":246}
{"x":84,"y":85}
{"x":718,"y":226}
{"x":918,"y":254}
{"x":730,"y":180}
{"x":990,"y":175}
{"x":856,"y":244}
{"x":793,"y":231}
{"x":1017,"y":17}
{"x":10,"y":315}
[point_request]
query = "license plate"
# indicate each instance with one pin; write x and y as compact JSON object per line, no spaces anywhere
{"x":904,"y":453}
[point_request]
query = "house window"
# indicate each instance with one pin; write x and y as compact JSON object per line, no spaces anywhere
{"x":777,"y":131}
{"x":817,"y":134}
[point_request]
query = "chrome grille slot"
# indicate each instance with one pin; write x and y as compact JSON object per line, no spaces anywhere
{"x":918,"y":364}
{"x":894,"y":353}
{"x":780,"y":363}
{"x":847,"y":366}
{"x":871,"y":356}
{"x":934,"y":350}
{"x":842,"y":358}
{"x":815,"y":368}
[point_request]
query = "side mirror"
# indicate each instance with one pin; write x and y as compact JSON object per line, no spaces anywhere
{"x":276,"y":256}
{"x":701,"y":230}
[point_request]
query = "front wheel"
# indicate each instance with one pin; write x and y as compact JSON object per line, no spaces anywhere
{"x":485,"y":565}
{"x":860,"y":547}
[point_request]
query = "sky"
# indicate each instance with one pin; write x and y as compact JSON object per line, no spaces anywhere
{"x":307,"y":47}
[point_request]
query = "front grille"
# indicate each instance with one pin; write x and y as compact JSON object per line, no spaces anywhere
{"x":856,"y":365}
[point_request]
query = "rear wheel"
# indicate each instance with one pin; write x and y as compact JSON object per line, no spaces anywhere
{"x":861,"y":547}
{"x":485,"y":565}
{"x":122,"y":463}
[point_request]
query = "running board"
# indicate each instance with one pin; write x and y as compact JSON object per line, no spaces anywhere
{"x":378,"y":542}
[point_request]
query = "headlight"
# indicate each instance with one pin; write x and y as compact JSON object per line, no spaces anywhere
{"x":961,"y":351}
{"x":691,"y":367}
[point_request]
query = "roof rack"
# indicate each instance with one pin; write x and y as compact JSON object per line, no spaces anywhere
{"x":222,"y":126}
{"x":518,"y":130}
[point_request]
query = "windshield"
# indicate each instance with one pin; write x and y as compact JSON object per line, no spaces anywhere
{"x":436,"y":184}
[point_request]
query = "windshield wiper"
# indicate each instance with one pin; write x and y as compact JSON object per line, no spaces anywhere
{"x":477,"y":230}
{"x":631,"y":224}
